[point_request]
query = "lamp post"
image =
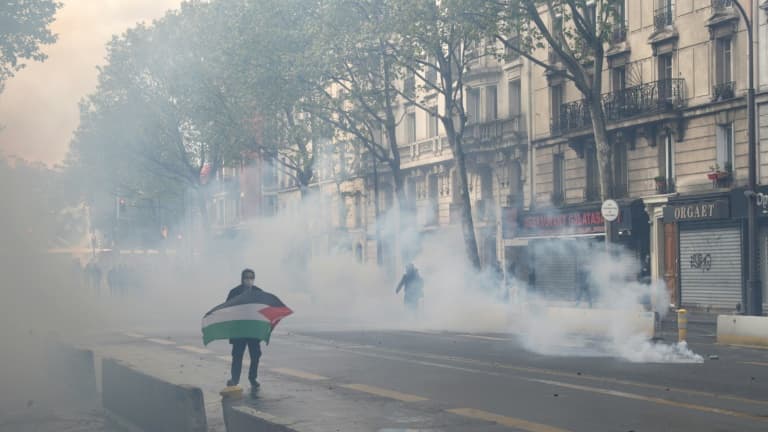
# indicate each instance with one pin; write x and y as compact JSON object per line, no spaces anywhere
{"x":754,"y":300}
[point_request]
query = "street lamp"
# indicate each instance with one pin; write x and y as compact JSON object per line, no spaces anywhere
{"x":754,"y":300}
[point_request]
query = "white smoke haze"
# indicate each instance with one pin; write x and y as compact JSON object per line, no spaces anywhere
{"x":329,"y":289}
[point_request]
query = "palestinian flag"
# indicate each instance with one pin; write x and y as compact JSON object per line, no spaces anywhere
{"x":252,"y":314}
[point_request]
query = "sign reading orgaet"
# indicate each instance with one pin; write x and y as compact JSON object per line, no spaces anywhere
{"x":696,"y":211}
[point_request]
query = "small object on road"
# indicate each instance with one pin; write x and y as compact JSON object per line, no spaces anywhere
{"x":30,"y":403}
{"x":578,"y":373}
{"x":714,"y":357}
{"x":556,"y":395}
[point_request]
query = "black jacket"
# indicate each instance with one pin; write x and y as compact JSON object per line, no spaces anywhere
{"x":234,"y":292}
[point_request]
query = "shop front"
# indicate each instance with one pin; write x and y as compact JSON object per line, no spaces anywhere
{"x":710,"y":249}
{"x":550,"y":249}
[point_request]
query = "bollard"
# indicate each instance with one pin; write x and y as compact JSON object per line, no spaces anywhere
{"x":682,"y":325}
{"x":230,"y":396}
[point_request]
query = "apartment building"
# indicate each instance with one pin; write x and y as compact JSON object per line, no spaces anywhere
{"x":675,"y":80}
{"x":674,"y":94}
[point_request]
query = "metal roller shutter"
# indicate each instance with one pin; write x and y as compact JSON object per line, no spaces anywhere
{"x":710,"y":268}
{"x":555,"y":267}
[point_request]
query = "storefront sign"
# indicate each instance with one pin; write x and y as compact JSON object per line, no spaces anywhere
{"x":574,"y":222}
{"x":704,"y":210}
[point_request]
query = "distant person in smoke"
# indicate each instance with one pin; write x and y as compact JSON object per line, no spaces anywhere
{"x":413,"y":286}
{"x":582,"y":287}
{"x":247,"y":278}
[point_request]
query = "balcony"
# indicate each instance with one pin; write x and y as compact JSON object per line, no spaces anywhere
{"x":663,"y":17}
{"x":619,"y":34}
{"x":722,"y":5}
{"x":492,"y":132}
{"x":723,"y":91}
{"x":644,"y":99}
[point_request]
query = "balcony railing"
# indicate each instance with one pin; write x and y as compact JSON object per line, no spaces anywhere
{"x":721,"y":5}
{"x":494,"y":129}
{"x":723,"y":91}
{"x":663,"y":17}
{"x":650,"y":98}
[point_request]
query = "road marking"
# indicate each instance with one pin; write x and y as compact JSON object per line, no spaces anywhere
{"x":134,"y":335}
{"x":391,"y":394}
{"x":525,"y":369}
{"x":161,"y":341}
{"x":195,"y":349}
{"x":300,"y":374}
{"x":756,"y":363}
{"x":504,"y":420}
{"x":493,"y":338}
{"x":635,"y":396}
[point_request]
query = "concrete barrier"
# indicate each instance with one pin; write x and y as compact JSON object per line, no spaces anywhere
{"x":742,"y":330}
{"x":74,"y":368}
{"x":150,"y":403}
{"x":243,"y":418}
{"x":602,"y":322}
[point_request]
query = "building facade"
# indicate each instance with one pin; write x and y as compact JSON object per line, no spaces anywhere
{"x":675,"y":81}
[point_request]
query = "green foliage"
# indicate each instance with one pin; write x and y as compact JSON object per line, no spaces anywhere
{"x":23,"y":29}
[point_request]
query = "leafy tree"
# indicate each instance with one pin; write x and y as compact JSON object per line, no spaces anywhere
{"x":577,"y":32}
{"x":23,"y":29}
{"x":437,"y":36}
{"x":166,"y":103}
{"x":268,"y":61}
{"x":359,"y":85}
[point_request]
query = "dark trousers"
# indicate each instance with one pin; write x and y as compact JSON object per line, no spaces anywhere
{"x":238,"y":349}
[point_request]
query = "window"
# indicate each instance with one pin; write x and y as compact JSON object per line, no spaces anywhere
{"x":491,"y":105}
{"x":592,"y":174}
{"x":432,"y":121}
{"x":430,"y":71}
{"x":665,"y":77}
{"x":592,"y":14}
{"x":723,"y":60}
{"x":409,"y":85}
{"x":618,"y":78}
{"x":668,"y":161}
{"x":620,"y":169}
{"x":515,"y":99}
{"x":725,"y":147}
{"x":473,"y":105}
{"x":410,"y":128}
{"x":358,"y":211}
{"x":510,"y":53}
{"x":555,"y":102}
{"x":558,"y":178}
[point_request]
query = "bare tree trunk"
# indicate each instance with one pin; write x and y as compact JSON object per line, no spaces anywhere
{"x":202,"y":204}
{"x":604,"y":159}
{"x":467,"y":223}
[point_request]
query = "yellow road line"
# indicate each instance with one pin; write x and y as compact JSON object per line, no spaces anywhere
{"x":493,"y":338}
{"x":194,"y":349}
{"x":504,"y":420}
{"x":756,"y":363}
{"x":550,"y":372}
{"x":377,"y":391}
{"x":161,"y":341}
{"x":134,"y":335}
{"x":668,"y":402}
{"x":299,"y":374}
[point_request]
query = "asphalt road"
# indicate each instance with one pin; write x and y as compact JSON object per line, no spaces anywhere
{"x":438,"y":381}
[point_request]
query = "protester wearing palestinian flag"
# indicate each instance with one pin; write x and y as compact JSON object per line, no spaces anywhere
{"x":247,"y":317}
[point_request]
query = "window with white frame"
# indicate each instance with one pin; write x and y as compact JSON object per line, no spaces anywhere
{"x":723,"y":60}
{"x":473,"y":105}
{"x":725,"y":147}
